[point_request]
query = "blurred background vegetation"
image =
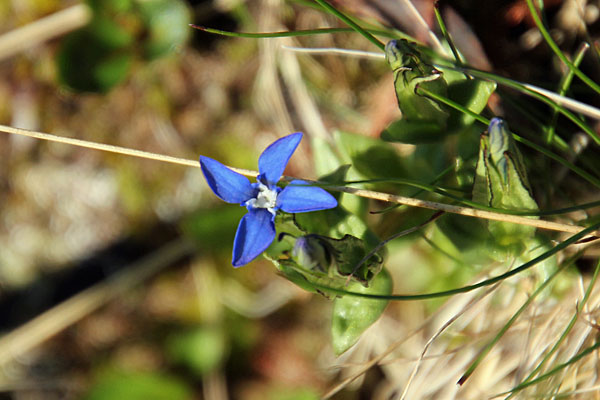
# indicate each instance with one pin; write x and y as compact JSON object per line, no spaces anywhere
{"x":140,"y":250}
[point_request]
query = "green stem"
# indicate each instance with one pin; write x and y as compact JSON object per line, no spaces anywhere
{"x":426,"y":296}
{"x":442,"y":25}
{"x":304,"y":32}
{"x":563,"y":87}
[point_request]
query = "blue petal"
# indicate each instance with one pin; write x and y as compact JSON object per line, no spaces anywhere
{"x":228,"y":185}
{"x":254,"y":234}
{"x":296,"y":198}
{"x":273,"y":160}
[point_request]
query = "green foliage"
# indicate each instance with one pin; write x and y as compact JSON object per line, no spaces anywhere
{"x":138,"y":386}
{"x":424,"y":120}
{"x":213,"y":228}
{"x":473,"y":94}
{"x":501,"y":182}
{"x":353,"y":315}
{"x":329,"y":263}
{"x":410,"y":72}
{"x":371,"y":157}
{"x":95,"y":58}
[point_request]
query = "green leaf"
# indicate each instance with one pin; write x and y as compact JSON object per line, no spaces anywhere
{"x":108,"y":33}
{"x":336,"y":223}
{"x":87,"y":64}
{"x":337,"y":176}
{"x":337,"y":259}
{"x":353,"y":315}
{"x":413,"y":132}
{"x":472,"y":94}
{"x":138,"y":386}
{"x":166,"y":23}
{"x":371,"y":157}
{"x":411,"y":71}
{"x":214,"y":228}
{"x":325,"y":157}
{"x":95,"y":58}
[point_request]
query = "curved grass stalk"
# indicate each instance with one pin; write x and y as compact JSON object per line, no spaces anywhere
{"x":426,"y":296}
{"x":303,"y":32}
{"x":543,"y":95}
{"x":387,"y":197}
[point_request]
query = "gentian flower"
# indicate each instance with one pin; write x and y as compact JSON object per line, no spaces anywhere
{"x":264,"y":198}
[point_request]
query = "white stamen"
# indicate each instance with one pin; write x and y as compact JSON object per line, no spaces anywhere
{"x":266,"y":198}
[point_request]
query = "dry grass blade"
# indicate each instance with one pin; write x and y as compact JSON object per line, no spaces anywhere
{"x":387,"y":197}
{"x":44,"y":29}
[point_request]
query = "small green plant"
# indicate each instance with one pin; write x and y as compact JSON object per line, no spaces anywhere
{"x":445,"y":201}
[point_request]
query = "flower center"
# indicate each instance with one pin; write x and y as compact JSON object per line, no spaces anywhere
{"x":266,"y":198}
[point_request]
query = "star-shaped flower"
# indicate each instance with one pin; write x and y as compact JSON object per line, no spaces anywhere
{"x":264,"y":198}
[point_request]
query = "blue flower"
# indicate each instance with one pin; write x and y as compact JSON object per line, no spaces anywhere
{"x":264,"y":198}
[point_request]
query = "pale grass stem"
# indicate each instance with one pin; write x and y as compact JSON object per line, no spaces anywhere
{"x":44,"y":29}
{"x":387,"y":197}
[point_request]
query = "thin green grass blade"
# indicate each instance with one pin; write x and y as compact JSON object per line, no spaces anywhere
{"x":425,"y":296}
{"x":563,"y":87}
{"x":536,"y":117}
{"x":446,"y":34}
{"x":546,"y":35}
{"x":328,"y":7}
